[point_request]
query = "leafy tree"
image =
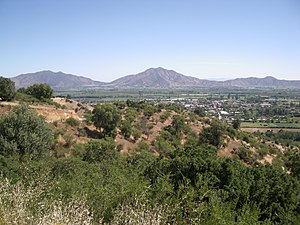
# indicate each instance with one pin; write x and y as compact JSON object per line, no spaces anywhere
{"x":125,"y":127}
{"x":7,"y":89}
{"x":24,"y":133}
{"x":214,"y":134}
{"x":97,"y":151}
{"x":107,"y":117}
{"x":293,"y":161}
{"x":178,"y":124}
{"x":149,"y":110}
{"x":40,"y":91}
{"x":131,"y":114}
{"x":236,"y":124}
{"x":200,"y":111}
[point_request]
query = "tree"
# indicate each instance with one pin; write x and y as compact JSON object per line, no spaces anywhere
{"x":24,"y":133}
{"x":107,"y":117}
{"x":214,"y":134}
{"x":149,"y":110}
{"x":97,"y":151}
{"x":7,"y":89}
{"x":236,"y":124}
{"x":40,"y":91}
{"x":125,"y":128}
{"x":178,"y":124}
{"x":200,"y":111}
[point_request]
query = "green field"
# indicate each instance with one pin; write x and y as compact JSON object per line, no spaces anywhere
{"x":269,"y":125}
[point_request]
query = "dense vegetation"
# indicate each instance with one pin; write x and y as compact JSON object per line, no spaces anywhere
{"x":7,"y":89}
{"x":185,"y":183}
{"x":39,"y":91}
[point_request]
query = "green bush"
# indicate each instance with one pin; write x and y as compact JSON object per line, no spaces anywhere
{"x":97,"y":151}
{"x":24,"y":133}
{"x":40,"y":91}
{"x":7,"y":89}
{"x":106,"y":117}
{"x":125,"y":128}
{"x":72,"y":122}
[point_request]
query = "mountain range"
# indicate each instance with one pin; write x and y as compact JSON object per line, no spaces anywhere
{"x":58,"y":81}
{"x":156,"y":78}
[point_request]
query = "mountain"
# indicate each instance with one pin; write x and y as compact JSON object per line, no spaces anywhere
{"x":158,"y":78}
{"x":165,"y":79}
{"x":58,"y":81}
{"x":262,"y":82}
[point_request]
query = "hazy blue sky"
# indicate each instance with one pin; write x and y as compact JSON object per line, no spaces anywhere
{"x":106,"y":39}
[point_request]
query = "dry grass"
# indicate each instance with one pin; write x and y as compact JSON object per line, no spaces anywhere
{"x":20,"y":204}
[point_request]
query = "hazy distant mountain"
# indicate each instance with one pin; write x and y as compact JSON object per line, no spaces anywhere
{"x":162,"y":78}
{"x":58,"y":81}
{"x":158,"y":78}
{"x":262,"y":82}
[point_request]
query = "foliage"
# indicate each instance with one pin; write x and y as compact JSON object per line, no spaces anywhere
{"x":22,"y":97}
{"x":178,"y":124}
{"x":125,"y":128}
{"x":187,"y":183}
{"x":131,"y":115}
{"x":24,"y":133}
{"x":72,"y":122}
{"x":292,"y":161}
{"x":149,"y":110}
{"x":236,"y":123}
{"x":214,"y":134}
{"x":40,"y":91}
{"x":7,"y":89}
{"x":97,"y":151}
{"x":165,"y":116}
{"x":200,"y":111}
{"x":107,"y":117}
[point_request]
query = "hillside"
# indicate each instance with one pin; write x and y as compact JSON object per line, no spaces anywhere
{"x":57,"y":80}
{"x":160,"y":161}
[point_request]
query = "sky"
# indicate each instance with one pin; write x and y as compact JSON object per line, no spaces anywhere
{"x":107,"y":39}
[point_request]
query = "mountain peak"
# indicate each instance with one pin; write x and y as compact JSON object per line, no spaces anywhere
{"x":270,"y":78}
{"x":57,"y":80}
{"x":156,"y":78}
{"x":157,"y":69}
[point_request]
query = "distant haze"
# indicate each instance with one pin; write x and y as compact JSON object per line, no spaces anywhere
{"x":104,"y":40}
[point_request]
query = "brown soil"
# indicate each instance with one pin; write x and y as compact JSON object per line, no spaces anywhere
{"x":230,"y":148}
{"x":267,"y":159}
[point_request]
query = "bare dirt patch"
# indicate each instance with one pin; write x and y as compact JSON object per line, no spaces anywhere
{"x":230,"y":148}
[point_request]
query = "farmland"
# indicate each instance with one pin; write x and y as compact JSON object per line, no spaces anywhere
{"x":255,"y":108}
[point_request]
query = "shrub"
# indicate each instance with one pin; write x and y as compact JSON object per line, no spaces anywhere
{"x":7,"y":89}
{"x":125,"y":128}
{"x":40,"y":91}
{"x":24,"y":133}
{"x":165,"y":116}
{"x":72,"y":122}
{"x":107,"y":117}
{"x":97,"y":151}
